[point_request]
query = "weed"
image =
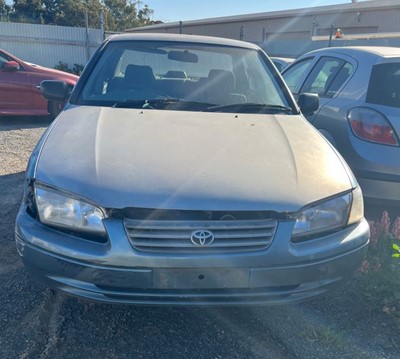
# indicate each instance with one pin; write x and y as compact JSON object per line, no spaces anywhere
{"x":324,"y":335}
{"x":379,"y":274}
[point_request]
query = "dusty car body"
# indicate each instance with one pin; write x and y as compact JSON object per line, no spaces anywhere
{"x":19,"y":82}
{"x":164,"y":186}
{"x":359,"y":111}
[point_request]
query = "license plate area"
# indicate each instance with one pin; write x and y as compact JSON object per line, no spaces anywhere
{"x":209,"y":278}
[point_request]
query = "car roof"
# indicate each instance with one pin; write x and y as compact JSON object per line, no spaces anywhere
{"x":380,"y":51}
{"x":183,"y":38}
{"x":286,"y":59}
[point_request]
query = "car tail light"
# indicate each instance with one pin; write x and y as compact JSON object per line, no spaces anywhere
{"x":371,"y":125}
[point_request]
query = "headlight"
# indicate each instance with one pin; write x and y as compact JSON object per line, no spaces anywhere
{"x":328,"y":216}
{"x":57,"y":209}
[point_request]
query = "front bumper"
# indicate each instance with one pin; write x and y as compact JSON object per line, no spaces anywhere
{"x":115,"y":273}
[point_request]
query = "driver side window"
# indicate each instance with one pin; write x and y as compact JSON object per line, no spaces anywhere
{"x":327,"y":76}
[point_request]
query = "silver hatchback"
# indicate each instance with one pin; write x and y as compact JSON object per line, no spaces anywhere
{"x":359,"y":90}
{"x":181,"y":172}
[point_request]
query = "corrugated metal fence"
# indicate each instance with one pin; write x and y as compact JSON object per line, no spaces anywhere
{"x":47,"y":45}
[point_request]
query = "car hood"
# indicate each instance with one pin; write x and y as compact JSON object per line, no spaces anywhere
{"x":189,"y":160}
{"x":53,"y":73}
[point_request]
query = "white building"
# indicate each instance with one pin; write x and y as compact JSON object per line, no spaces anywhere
{"x":294,"y":32}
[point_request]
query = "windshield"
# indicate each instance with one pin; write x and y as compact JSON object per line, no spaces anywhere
{"x":193,"y":76}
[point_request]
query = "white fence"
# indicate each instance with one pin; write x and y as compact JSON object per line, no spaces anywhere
{"x":47,"y":45}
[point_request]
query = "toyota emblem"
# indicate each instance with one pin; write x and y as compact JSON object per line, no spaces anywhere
{"x":202,"y":238}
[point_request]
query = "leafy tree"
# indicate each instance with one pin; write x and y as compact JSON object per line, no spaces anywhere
{"x":72,"y":12}
{"x":124,"y":14}
{"x":4,"y":10}
{"x":27,"y":11}
{"x":118,"y":14}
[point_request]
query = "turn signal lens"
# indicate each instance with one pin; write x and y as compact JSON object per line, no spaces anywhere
{"x":357,"y":207}
{"x":370,"y":125}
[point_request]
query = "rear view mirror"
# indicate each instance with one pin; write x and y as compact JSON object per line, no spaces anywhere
{"x":183,"y":56}
{"x":11,"y":66}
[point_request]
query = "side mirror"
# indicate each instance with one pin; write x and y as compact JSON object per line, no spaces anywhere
{"x":11,"y":66}
{"x":308,"y":103}
{"x":54,"y":90}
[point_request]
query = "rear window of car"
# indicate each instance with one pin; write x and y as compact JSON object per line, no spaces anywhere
{"x":384,"y":85}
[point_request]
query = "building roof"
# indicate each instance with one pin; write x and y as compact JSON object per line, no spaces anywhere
{"x":317,"y":10}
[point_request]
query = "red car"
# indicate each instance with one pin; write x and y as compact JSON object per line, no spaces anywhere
{"x":19,"y":94}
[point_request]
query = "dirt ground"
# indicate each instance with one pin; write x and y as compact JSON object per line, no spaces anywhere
{"x":36,"y":323}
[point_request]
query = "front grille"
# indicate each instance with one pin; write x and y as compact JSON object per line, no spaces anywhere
{"x":175,"y":236}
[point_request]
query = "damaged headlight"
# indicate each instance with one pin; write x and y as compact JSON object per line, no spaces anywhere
{"x":58,"y":209}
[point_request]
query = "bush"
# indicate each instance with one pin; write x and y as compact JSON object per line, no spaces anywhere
{"x":76,"y":69}
{"x":379,"y":274}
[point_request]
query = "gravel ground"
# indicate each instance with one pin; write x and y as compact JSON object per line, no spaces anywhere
{"x":37,"y":323}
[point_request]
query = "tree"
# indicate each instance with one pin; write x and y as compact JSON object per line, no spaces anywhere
{"x":72,"y":12}
{"x":118,"y":14}
{"x":4,"y":11}
{"x":124,"y":14}
{"x":27,"y":11}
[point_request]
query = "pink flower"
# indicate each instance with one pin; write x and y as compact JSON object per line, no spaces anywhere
{"x":388,"y":310}
{"x":396,"y":228}
{"x":377,"y":267}
{"x":364,"y":266}
{"x":385,"y":223}
{"x":373,"y":233}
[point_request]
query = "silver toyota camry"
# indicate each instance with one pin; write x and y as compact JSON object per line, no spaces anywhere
{"x":182,"y":172}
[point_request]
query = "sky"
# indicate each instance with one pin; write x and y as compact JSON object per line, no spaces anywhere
{"x":176,"y":10}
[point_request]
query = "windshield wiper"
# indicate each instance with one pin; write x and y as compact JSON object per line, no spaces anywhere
{"x":129,"y":104}
{"x":164,"y":104}
{"x":251,"y":108}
